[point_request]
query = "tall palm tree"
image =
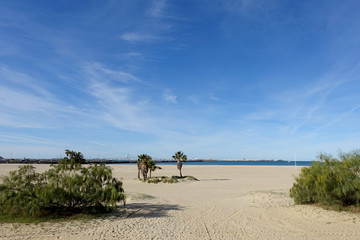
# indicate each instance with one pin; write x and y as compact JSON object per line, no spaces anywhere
{"x":180,"y":157}
{"x":143,"y":165}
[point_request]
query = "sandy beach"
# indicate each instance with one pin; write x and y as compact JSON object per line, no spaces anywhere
{"x":229,"y":202}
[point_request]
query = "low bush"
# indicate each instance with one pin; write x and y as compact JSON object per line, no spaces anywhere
{"x":330,"y":182}
{"x":172,"y":179}
{"x":65,"y":189}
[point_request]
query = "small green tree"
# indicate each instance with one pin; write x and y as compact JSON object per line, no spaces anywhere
{"x":66,"y":188}
{"x":330,"y":181}
{"x":180,"y":157}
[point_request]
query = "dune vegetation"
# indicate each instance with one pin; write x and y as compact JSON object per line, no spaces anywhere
{"x":172,"y":179}
{"x":66,"y":189}
{"x":145,"y":165}
{"x":330,"y":182}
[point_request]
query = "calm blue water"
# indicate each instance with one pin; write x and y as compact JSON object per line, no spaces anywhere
{"x":242,"y":163}
{"x":245,"y":163}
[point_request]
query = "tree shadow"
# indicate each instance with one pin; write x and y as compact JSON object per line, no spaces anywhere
{"x":147,"y":210}
{"x":144,"y":210}
{"x":216,"y":179}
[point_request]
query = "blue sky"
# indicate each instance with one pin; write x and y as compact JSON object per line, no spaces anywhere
{"x":267,"y":79}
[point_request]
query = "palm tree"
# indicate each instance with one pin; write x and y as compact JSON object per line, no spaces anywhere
{"x":180,"y":157}
{"x":143,"y":165}
{"x":152,"y":166}
{"x":76,"y":157}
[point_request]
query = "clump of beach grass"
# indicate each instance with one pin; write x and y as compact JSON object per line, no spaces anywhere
{"x":172,"y":179}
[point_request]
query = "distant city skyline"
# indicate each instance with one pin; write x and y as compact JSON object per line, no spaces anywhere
{"x":215,"y":79}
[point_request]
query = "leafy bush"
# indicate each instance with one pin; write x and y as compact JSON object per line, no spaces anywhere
{"x":330,"y":182}
{"x":65,"y":189}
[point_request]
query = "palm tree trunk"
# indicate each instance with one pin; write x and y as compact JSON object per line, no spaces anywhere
{"x":144,"y":170}
{"x":139,"y":168}
{"x":144,"y":174}
{"x":179,"y":166}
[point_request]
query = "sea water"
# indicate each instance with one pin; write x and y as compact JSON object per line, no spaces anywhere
{"x":244,"y":163}
{"x":239,"y":163}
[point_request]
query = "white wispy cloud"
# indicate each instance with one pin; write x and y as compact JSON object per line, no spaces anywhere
{"x":241,"y":6}
{"x":7,"y":48}
{"x":195,"y":99}
{"x":15,"y":120}
{"x":22,"y":81}
{"x":338,"y":118}
{"x":213,"y":97}
{"x":169,"y":97}
{"x":247,"y":9}
{"x":27,"y":102}
{"x":23,"y":100}
{"x":139,"y":37}
{"x":116,"y":104}
{"x":127,"y":107}
{"x":133,"y":55}
{"x":157,"y":9}
{"x":307,"y":109}
{"x":313,"y":99}
{"x":16,"y":100}
{"x":261,"y":115}
{"x":97,"y":70}
{"x":154,"y":27}
{"x":27,"y":139}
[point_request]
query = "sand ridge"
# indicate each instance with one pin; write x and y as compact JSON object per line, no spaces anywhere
{"x":229,"y":202}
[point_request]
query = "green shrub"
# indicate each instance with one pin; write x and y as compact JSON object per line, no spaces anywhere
{"x":330,"y":182}
{"x":65,"y":189}
{"x":172,"y":179}
{"x":154,"y":180}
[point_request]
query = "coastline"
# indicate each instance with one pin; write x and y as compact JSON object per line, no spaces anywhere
{"x":229,"y":202}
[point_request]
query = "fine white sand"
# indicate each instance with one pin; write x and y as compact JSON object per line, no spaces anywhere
{"x":229,"y":202}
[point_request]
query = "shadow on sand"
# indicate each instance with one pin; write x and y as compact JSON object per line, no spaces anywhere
{"x":144,"y":210}
{"x":148,"y":210}
{"x":216,"y":179}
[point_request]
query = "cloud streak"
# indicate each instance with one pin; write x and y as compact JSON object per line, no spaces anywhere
{"x":137,"y":37}
{"x":23,"y":102}
{"x":97,"y":71}
{"x":154,"y":27}
{"x":116,"y":103}
{"x":169,"y":97}
{"x":306,"y":110}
